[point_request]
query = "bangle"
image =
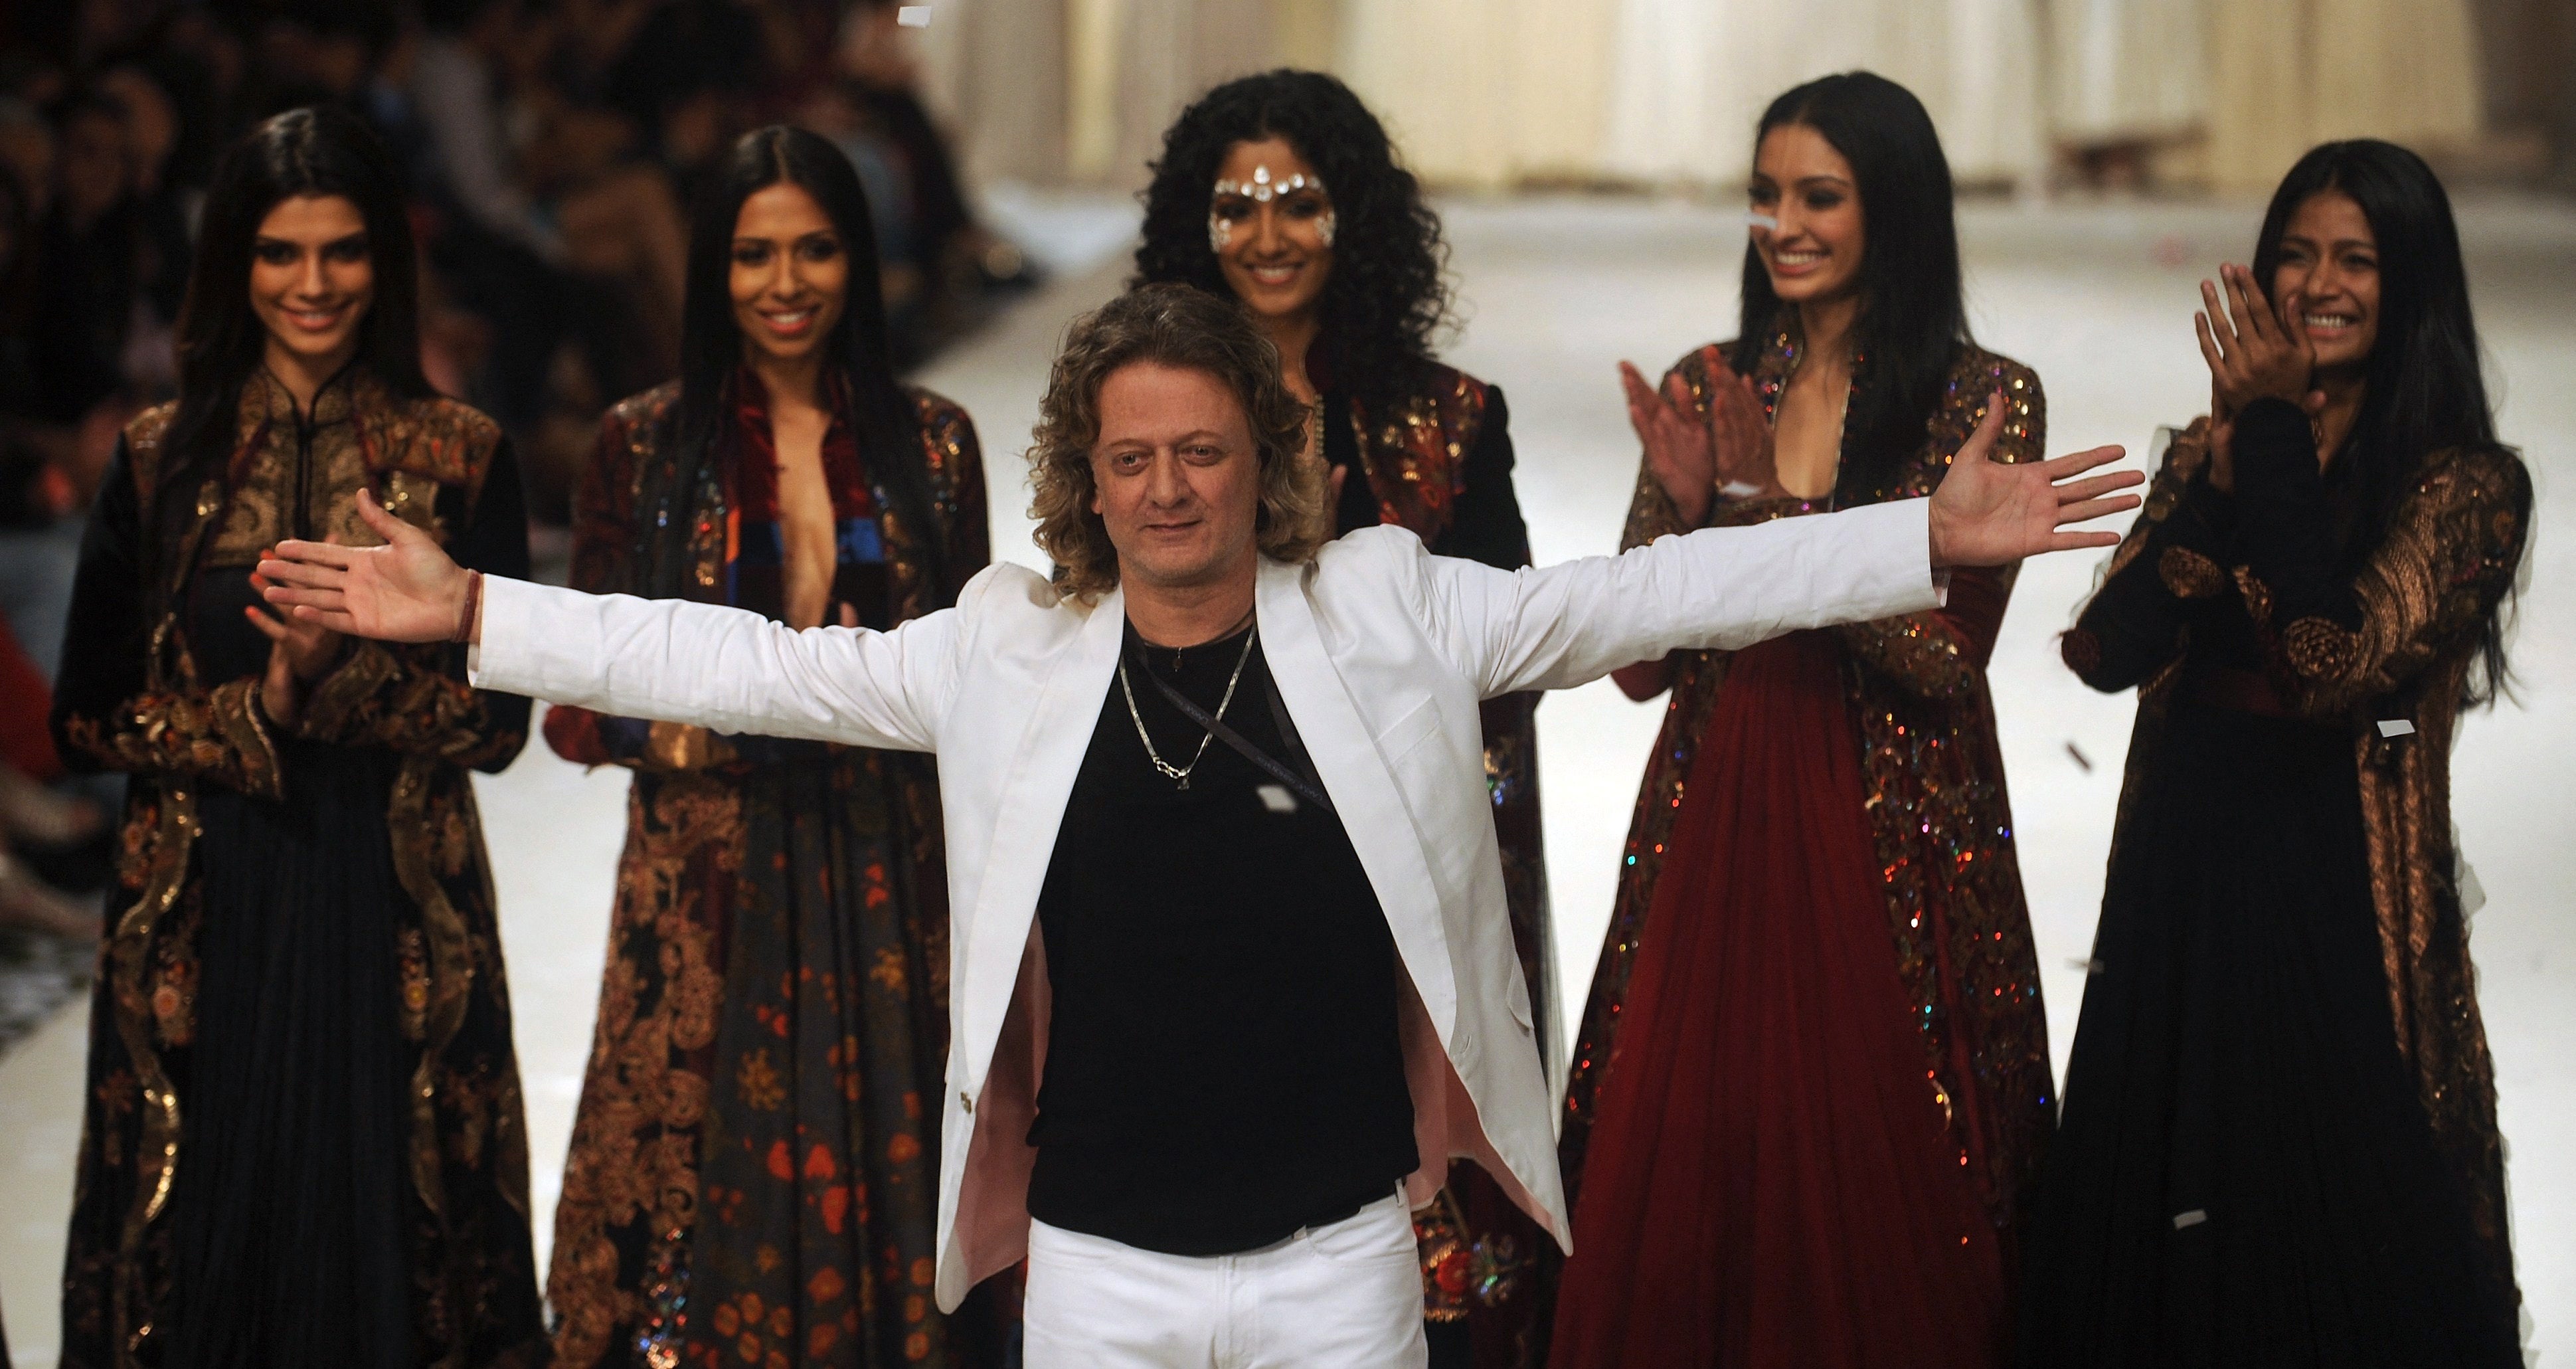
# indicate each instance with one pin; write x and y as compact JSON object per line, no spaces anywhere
{"x":473,"y":601}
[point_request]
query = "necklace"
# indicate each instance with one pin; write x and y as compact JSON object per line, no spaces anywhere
{"x":1180,"y":774}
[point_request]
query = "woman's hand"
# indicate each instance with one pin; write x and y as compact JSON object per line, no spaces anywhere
{"x":1680,"y":450}
{"x":298,"y":653}
{"x":407,"y":590}
{"x":2259,"y":353}
{"x":1747,"y":467}
{"x":1989,"y":514}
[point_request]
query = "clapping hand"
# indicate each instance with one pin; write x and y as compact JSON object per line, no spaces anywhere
{"x":298,"y":653}
{"x":2257,"y":353}
{"x":1691,"y":458}
{"x":1987,"y":513}
{"x":407,"y":590}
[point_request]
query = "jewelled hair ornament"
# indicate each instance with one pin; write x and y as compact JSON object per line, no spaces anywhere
{"x":1261,"y":189}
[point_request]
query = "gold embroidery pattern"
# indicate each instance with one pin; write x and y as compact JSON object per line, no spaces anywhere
{"x":634,"y":1154}
{"x":2189,"y":575}
{"x":2317,"y":647}
{"x":219,"y":735}
{"x":1416,"y":453}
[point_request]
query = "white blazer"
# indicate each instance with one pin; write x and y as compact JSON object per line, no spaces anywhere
{"x":1381,"y":652}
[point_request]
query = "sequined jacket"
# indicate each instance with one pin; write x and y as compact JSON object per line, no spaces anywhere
{"x":2390,"y":643}
{"x":1935,"y":786}
{"x":1438,"y":462}
{"x":131,"y":699}
{"x":632,"y":1181}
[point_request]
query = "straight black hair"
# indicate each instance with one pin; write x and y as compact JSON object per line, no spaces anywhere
{"x":2424,"y":391}
{"x":711,"y":346}
{"x":1912,"y":321}
{"x":322,"y":150}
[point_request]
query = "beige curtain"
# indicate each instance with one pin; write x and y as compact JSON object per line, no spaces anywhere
{"x":1690,"y":78}
{"x":2122,"y":71}
{"x":2286,"y":75}
{"x":1136,"y":64}
{"x":1484,"y":93}
{"x":994,"y":72}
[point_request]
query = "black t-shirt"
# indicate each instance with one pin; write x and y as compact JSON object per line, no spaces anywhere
{"x":1223,"y":1065}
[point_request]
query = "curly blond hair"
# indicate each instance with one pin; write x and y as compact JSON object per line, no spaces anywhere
{"x":1186,"y":328}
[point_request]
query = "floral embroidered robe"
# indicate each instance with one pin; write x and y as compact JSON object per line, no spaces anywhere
{"x":752,"y":1178}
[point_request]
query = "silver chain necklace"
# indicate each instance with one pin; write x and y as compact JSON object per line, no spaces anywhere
{"x":1180,"y":774}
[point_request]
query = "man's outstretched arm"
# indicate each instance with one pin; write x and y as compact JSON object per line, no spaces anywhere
{"x":724,"y":668}
{"x":1728,"y":588}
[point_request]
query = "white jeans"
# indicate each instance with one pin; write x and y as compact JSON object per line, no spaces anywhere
{"x":1347,"y":1296}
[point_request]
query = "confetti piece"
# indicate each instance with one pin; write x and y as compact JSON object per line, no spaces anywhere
{"x":1738,"y":489}
{"x":1276,"y":798}
{"x":913,"y":16}
{"x":1762,"y":221}
{"x":2169,"y":251}
{"x":2192,"y":1218}
{"x":2087,"y":966}
{"x":2082,"y":761}
{"x":2396,"y":727}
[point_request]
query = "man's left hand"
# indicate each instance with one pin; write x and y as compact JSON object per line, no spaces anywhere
{"x":1990,"y":514}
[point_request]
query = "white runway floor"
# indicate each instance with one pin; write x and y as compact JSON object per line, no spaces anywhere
{"x":1554,"y":291}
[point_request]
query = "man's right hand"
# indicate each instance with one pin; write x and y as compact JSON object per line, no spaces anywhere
{"x":407,"y":590}
{"x":1987,"y":513}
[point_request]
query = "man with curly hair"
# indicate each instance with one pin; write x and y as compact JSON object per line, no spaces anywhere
{"x":1223,"y":873}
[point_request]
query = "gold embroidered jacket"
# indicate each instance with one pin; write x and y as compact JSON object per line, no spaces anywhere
{"x":132,"y":698}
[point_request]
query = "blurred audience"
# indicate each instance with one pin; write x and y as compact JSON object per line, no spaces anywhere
{"x":551,"y":147}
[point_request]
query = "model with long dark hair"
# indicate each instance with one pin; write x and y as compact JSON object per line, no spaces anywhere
{"x":1812,"y":1077}
{"x":1282,"y":192}
{"x":754,"y":1162}
{"x":304,"y":1143}
{"x":2279,"y":1143}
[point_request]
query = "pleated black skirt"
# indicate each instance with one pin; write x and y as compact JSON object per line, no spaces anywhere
{"x":290,"y":1201}
{"x":2243,"y":1174}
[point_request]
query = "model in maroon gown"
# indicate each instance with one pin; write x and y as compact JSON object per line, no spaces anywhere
{"x":1812,"y":1077}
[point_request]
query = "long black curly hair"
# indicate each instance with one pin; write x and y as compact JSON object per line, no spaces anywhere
{"x":1386,"y":298}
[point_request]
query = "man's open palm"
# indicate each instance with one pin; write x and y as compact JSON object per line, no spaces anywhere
{"x":1987,"y":513}
{"x":407,"y":590}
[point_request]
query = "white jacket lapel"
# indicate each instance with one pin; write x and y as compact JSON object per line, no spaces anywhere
{"x":1342,"y":742}
{"x":1033,"y":795}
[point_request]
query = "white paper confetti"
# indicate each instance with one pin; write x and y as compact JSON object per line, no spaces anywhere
{"x":1762,"y":221}
{"x":2082,"y":762}
{"x":913,"y":16}
{"x":2192,"y":1218}
{"x":1277,"y":799}
{"x":1739,"y":489}
{"x":2087,"y":966}
{"x":2396,"y":727}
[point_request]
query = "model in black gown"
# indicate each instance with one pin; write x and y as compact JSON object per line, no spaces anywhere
{"x":303,"y":1144}
{"x":2278,"y":1146}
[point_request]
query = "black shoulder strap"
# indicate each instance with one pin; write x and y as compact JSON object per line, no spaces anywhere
{"x":1301,"y":785}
